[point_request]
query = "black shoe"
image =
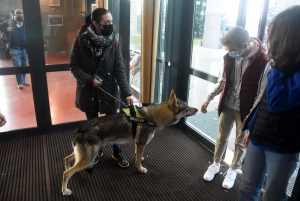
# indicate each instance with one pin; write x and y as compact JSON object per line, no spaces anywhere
{"x":122,"y":161}
{"x":98,"y":156}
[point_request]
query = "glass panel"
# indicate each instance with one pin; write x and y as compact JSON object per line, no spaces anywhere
{"x":211,"y":22}
{"x":60,"y":24}
{"x":135,"y":71}
{"x":62,"y":102}
{"x":135,"y":25}
{"x":276,"y":6}
{"x":135,"y":45}
{"x":16,"y":104}
{"x":12,"y":34}
{"x":254,"y":10}
{"x":207,"y":124}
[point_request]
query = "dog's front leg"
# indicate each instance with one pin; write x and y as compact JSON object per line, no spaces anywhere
{"x":139,"y":155}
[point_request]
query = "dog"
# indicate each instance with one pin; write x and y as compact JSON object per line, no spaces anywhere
{"x":92,"y":135}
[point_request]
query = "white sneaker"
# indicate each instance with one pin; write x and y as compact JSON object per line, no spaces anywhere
{"x":229,"y":179}
{"x":20,"y":86}
{"x":210,"y":173}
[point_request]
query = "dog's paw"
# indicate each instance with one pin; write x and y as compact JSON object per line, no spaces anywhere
{"x":67,"y":192}
{"x":142,"y":170}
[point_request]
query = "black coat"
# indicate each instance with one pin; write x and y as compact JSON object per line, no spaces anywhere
{"x":83,"y":64}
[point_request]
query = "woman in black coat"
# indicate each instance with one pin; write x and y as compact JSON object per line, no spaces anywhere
{"x":96,"y":60}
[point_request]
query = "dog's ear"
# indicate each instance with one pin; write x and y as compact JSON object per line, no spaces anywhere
{"x":173,"y":99}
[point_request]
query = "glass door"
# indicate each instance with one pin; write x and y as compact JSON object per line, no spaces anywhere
{"x":212,"y":19}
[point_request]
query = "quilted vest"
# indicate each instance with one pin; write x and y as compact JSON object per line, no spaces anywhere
{"x":250,"y":80}
{"x":280,"y":130}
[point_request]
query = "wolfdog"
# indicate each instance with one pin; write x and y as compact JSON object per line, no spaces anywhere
{"x":116,"y":128}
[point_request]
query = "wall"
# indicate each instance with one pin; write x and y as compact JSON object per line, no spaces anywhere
{"x":56,"y":37}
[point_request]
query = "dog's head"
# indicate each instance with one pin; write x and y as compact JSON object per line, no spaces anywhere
{"x":180,"y":107}
{"x":168,"y":113}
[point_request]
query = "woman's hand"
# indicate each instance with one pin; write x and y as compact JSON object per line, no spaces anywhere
{"x":129,"y":100}
{"x":246,"y":140}
{"x":97,"y":82}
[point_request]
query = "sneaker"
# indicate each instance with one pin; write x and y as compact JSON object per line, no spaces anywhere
{"x":26,"y":84}
{"x":211,"y":171}
{"x":230,"y":176}
{"x":122,"y":161}
{"x":98,"y":156}
{"x":20,"y":86}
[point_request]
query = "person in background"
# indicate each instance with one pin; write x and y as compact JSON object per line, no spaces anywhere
{"x":2,"y":120}
{"x":238,"y":85}
{"x":274,"y":139}
{"x":17,"y":44}
{"x":96,"y":61}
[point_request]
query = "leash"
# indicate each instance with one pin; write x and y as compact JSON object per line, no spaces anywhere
{"x":99,"y":87}
{"x":133,"y":119}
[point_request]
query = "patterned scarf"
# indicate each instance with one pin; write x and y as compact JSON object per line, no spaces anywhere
{"x":98,"y":40}
{"x":101,"y":41}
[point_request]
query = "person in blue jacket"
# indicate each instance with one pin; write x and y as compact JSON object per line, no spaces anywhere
{"x":274,"y":129}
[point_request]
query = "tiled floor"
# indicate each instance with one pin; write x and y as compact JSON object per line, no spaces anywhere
{"x":17,"y":104}
{"x":18,"y":107}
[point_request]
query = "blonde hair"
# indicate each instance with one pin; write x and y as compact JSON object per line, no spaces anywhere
{"x":283,"y":38}
{"x":236,"y":36}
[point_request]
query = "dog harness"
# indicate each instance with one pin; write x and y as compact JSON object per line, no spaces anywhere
{"x":135,"y":118}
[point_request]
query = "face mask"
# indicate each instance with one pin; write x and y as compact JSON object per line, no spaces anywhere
{"x":107,"y":30}
{"x":20,"y":19}
{"x":235,"y":54}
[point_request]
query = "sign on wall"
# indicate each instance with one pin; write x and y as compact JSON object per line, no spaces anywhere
{"x":54,"y":2}
{"x":55,"y":20}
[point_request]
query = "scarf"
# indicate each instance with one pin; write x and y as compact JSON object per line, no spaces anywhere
{"x":102,"y":42}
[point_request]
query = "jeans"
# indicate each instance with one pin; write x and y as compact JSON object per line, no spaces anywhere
{"x":227,"y":118}
{"x":19,"y":59}
{"x":259,"y":164}
{"x":91,"y":115}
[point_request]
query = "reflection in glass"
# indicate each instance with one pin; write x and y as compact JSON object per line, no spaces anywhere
{"x":16,"y":104}
{"x":60,"y":27}
{"x":62,"y":88}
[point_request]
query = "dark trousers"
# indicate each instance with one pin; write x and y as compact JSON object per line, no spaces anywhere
{"x":91,"y":115}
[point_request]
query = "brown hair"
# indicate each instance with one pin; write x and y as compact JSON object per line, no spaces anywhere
{"x":283,"y":38}
{"x":236,"y":36}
